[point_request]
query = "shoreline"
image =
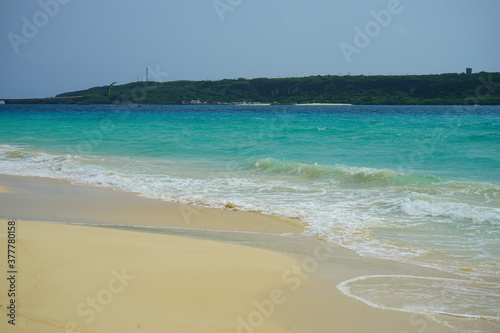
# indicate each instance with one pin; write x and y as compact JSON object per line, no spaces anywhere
{"x":54,"y":200}
{"x":390,"y":90}
{"x":324,"y":104}
{"x":302,"y":271}
{"x":128,"y":282}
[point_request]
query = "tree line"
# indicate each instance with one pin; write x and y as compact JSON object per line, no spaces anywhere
{"x":443,"y":89}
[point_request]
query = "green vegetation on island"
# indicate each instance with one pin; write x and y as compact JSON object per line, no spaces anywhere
{"x":445,"y":89}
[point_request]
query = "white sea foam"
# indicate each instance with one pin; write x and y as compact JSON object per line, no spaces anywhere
{"x":458,"y":303}
{"x":451,"y":209}
{"x":376,"y":212}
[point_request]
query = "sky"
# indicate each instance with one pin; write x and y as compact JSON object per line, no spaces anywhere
{"x":48,"y":47}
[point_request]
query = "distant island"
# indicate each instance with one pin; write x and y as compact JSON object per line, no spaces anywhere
{"x":443,"y":89}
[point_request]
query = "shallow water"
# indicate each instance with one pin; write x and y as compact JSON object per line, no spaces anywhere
{"x":417,"y":184}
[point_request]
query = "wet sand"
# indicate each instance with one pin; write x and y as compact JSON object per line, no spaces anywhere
{"x":131,"y":264}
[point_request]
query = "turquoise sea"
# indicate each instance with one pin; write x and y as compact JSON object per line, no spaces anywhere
{"x":418,"y":184}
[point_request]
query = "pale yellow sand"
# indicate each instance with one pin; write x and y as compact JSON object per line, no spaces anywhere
{"x":99,"y":280}
{"x":83,"y":279}
{"x":172,"y":284}
{"x":3,"y":189}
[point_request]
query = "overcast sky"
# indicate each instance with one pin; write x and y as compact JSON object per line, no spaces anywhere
{"x":68,"y":45}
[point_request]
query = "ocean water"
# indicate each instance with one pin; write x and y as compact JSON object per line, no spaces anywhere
{"x":418,"y":184}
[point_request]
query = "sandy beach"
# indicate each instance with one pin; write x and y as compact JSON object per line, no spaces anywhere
{"x":162,"y":267}
{"x":324,"y":104}
{"x":103,"y":280}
